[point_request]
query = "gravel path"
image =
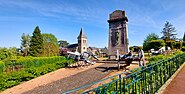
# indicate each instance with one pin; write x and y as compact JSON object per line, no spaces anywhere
{"x":177,"y":85}
{"x":74,"y":81}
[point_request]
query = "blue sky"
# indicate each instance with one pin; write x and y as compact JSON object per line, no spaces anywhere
{"x":64,"y":18}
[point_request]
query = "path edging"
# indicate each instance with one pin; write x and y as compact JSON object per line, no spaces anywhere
{"x":161,"y":89}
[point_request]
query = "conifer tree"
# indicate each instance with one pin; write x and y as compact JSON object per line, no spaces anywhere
{"x":168,"y":32}
{"x":36,"y":43}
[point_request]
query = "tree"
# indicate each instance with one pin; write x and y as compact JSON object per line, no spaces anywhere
{"x":36,"y":43}
{"x":63,"y":43}
{"x":149,"y":38}
{"x":184,"y":37}
{"x":25,"y":44}
{"x":7,"y":53}
{"x":50,"y":45}
{"x":168,"y":32}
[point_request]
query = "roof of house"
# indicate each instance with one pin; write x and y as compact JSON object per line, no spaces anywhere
{"x":93,"y":48}
{"x":72,"y":45}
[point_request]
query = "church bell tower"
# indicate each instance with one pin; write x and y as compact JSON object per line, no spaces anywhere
{"x":82,"y":42}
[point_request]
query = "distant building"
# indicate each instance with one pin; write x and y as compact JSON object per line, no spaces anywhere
{"x":100,"y":52}
{"x":80,"y":47}
{"x":94,"y":50}
{"x":104,"y":52}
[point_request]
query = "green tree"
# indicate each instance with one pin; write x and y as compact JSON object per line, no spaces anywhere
{"x":63,"y":43}
{"x":184,"y":37}
{"x":36,"y":43}
{"x":50,"y":45}
{"x":25,"y":44}
{"x":7,"y":53}
{"x":168,"y":32}
{"x":150,"y":37}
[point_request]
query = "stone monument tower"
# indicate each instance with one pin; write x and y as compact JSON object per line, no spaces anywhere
{"x":82,"y":42}
{"x":118,"y":33}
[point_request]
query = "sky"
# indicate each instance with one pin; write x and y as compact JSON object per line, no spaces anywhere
{"x":65,"y":18}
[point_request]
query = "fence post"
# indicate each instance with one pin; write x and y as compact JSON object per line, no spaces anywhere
{"x":124,"y":85}
{"x":120,"y":83}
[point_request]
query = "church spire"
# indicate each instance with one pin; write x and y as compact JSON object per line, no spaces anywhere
{"x":82,"y":34}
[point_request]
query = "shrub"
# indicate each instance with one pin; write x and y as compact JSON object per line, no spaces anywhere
{"x":33,"y":67}
{"x":131,"y":48}
{"x":154,"y":59}
{"x":156,"y":44}
{"x":2,"y":66}
{"x":8,"y":80}
{"x":170,"y":44}
{"x":39,"y":61}
{"x":135,"y":48}
{"x":153,"y":44}
{"x":177,"y":52}
{"x":183,"y":44}
{"x":178,"y":45}
{"x":183,"y":49}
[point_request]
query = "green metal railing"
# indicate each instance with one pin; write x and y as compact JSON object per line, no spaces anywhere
{"x":143,"y":80}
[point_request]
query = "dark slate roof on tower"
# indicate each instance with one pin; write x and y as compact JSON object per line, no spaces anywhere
{"x":82,"y":34}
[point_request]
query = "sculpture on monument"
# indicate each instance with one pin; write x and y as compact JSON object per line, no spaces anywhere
{"x":118,"y":33}
{"x":117,"y":37}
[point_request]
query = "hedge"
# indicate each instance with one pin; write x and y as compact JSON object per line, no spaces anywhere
{"x":157,"y":58}
{"x":154,"y":59}
{"x":2,"y":66}
{"x":153,"y":44}
{"x":11,"y":79}
{"x":28,"y":62}
{"x":183,"y":49}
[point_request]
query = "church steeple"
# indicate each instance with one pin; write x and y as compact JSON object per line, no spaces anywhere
{"x":82,"y":34}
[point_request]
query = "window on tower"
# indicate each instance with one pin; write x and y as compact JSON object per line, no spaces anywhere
{"x":84,"y":41}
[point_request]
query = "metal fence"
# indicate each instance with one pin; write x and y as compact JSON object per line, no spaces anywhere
{"x":143,"y":80}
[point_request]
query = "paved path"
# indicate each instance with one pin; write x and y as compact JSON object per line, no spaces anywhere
{"x":73,"y":81}
{"x":177,"y":85}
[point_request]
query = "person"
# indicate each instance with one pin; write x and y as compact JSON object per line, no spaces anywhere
{"x":141,"y":57}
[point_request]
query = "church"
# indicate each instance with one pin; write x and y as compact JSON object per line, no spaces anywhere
{"x":81,"y":46}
